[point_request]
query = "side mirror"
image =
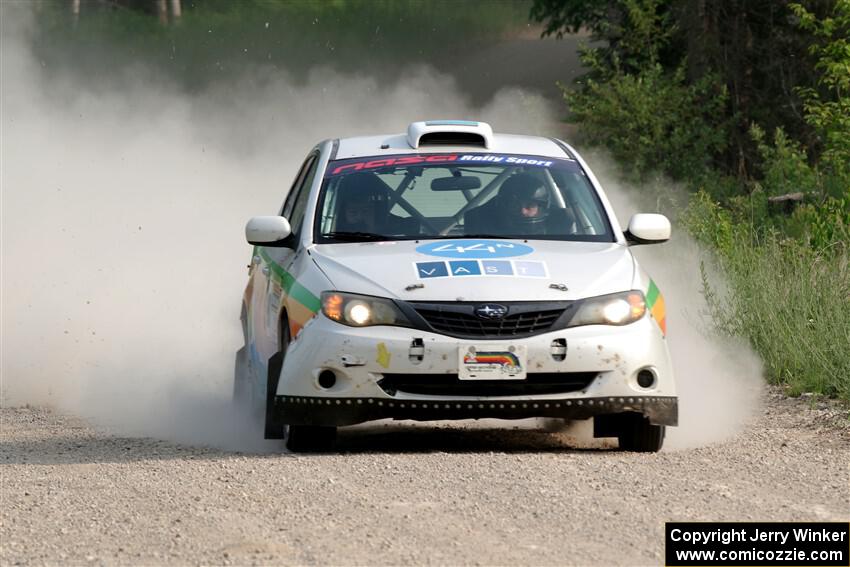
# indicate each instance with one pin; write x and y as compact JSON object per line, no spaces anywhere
{"x":268,"y":231}
{"x":648,"y":228}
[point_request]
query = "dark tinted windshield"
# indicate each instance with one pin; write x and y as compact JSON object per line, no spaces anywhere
{"x":456,"y":195}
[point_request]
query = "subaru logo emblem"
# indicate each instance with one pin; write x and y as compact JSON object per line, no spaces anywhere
{"x":491,"y":311}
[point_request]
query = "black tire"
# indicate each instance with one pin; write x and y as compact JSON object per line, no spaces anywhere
{"x":299,"y":438}
{"x":310,"y":438}
{"x":274,"y":427}
{"x":641,"y":436}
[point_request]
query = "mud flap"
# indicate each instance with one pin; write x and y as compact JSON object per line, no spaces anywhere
{"x":274,"y":428}
{"x":612,"y":424}
{"x":634,"y":431}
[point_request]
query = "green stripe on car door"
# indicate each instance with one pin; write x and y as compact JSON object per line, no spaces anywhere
{"x":291,"y":286}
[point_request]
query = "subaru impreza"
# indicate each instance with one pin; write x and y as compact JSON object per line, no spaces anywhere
{"x":451,"y":273}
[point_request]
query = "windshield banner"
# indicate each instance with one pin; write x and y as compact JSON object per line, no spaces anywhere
{"x":341,"y":167}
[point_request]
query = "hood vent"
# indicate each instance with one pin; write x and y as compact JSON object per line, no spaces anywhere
{"x":452,"y":139}
{"x":449,"y":133}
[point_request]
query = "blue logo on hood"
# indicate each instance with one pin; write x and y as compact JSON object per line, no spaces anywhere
{"x":475,"y":249}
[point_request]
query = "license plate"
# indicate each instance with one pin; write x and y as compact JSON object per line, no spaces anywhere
{"x":491,"y":362}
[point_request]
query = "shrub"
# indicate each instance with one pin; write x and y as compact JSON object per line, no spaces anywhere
{"x":789,"y":281}
{"x":824,"y":220}
{"x":789,"y":300}
{"x":653,"y":120}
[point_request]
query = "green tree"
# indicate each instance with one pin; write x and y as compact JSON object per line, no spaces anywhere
{"x":644,"y":111}
{"x":754,"y":49}
{"x":827,"y":105}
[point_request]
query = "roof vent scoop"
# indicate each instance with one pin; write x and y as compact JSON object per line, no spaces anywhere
{"x":449,"y":133}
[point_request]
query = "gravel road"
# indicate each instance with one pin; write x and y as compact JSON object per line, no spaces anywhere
{"x":392,"y":495}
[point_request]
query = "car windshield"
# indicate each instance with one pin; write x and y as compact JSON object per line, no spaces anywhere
{"x":417,"y":197}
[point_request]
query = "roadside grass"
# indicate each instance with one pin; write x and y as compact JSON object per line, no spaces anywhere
{"x":789,"y":300}
{"x":773,"y":207}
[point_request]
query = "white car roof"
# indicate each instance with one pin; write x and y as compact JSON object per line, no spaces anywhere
{"x":393,"y":144}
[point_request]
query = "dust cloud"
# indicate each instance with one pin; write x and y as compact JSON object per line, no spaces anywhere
{"x":719,"y":380}
{"x":123,"y":250}
{"x":123,"y":257}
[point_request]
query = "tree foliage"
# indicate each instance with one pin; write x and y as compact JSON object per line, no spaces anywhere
{"x":755,"y":50}
{"x":828,"y":106}
{"x":746,"y":102}
{"x":651,"y":121}
{"x":629,"y":33}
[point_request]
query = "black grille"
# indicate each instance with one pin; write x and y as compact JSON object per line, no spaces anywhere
{"x":460,"y":323}
{"x":535,"y":383}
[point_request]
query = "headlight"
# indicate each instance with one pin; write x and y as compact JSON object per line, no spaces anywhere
{"x":361,"y":310}
{"x":615,"y":309}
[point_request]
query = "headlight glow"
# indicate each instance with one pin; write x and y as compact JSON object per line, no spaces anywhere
{"x":615,"y":309}
{"x":357,"y":310}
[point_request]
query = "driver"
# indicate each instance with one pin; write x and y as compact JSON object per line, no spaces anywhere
{"x":364,"y":206}
{"x":526,"y":204}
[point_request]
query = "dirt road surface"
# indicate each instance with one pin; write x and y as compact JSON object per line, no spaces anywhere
{"x":72,"y":494}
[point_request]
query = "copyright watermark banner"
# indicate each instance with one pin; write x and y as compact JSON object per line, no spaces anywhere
{"x":810,"y":544}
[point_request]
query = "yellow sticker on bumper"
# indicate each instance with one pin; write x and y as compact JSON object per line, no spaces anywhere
{"x":383,"y":355}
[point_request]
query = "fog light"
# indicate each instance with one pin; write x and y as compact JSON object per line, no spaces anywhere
{"x":327,"y":379}
{"x":646,"y":379}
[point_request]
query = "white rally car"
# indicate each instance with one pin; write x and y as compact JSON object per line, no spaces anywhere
{"x":452,"y":273}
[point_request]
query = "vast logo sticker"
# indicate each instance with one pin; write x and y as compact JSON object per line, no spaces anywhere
{"x":461,"y":268}
{"x":530,"y":269}
{"x":465,"y":268}
{"x":497,"y":267}
{"x":475,"y":249}
{"x":431,"y":270}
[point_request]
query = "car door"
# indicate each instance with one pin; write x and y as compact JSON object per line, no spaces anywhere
{"x":273,"y":279}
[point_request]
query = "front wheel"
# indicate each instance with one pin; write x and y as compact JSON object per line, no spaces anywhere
{"x":310,"y":438}
{"x":639,"y":435}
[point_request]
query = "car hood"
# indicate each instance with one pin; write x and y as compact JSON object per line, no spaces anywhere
{"x":390,"y":269}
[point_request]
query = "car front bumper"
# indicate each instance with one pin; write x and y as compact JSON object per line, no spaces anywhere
{"x":604,"y":360}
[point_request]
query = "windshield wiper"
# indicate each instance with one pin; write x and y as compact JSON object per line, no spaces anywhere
{"x":354,"y":236}
{"x":482,"y":235}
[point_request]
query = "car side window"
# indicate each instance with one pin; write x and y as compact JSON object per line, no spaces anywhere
{"x":299,"y":207}
{"x":289,"y":203}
